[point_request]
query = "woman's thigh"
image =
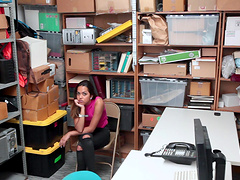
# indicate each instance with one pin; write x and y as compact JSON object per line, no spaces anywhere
{"x":101,"y":137}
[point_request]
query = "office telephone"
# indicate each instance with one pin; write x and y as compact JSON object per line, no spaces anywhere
{"x":177,"y":152}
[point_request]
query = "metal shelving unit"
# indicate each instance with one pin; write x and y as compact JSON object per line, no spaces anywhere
{"x":17,"y":114}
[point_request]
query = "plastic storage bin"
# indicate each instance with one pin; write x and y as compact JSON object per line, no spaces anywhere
{"x":45,"y":162}
{"x":163,"y":92}
{"x":105,"y":61}
{"x":145,"y":135}
{"x":127,"y":117}
{"x":122,"y":88}
{"x":41,"y":134}
{"x":54,"y":42}
{"x":192,"y":29}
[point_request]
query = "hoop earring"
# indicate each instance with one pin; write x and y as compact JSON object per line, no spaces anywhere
{"x":91,"y":98}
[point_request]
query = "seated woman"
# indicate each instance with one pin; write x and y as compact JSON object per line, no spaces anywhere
{"x":91,"y":125}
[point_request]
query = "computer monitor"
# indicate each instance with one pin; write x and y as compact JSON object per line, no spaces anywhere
{"x":205,"y":155}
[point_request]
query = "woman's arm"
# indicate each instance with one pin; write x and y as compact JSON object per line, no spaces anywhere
{"x":79,"y":121}
{"x":67,"y":136}
{"x":98,"y":110}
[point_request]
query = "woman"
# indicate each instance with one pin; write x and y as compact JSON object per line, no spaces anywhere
{"x":90,"y":119}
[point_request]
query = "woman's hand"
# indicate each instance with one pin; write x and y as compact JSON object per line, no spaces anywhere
{"x":77,"y":103}
{"x":64,"y":140}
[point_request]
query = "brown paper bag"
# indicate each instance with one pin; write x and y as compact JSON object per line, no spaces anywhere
{"x":159,"y":28}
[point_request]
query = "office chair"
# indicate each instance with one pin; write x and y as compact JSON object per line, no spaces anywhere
{"x":83,"y":175}
{"x":113,"y":112}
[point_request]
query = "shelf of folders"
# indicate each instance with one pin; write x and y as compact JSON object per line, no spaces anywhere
{"x":120,"y":88}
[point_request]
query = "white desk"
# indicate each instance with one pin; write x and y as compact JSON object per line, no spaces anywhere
{"x":138,"y":167}
{"x":177,"y":125}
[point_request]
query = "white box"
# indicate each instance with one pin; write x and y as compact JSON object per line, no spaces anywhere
{"x":32,"y":18}
{"x":147,"y":36}
{"x":233,"y":23}
{"x":78,"y":22}
{"x":232,"y":37}
{"x":230,"y":99}
{"x":38,"y":51}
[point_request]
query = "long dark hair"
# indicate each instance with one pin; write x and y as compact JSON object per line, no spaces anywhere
{"x":75,"y":110}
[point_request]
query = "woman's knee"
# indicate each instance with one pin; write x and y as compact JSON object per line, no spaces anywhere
{"x":86,"y":136}
{"x":79,"y":148}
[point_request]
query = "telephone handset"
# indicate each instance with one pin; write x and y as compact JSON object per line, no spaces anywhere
{"x":177,"y":152}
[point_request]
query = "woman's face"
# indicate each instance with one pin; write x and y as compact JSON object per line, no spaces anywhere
{"x":83,"y":95}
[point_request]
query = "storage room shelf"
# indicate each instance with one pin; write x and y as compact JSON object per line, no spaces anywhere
{"x":140,"y":127}
{"x":169,"y":45}
{"x":230,"y":47}
{"x":131,"y":73}
{"x":114,"y":44}
{"x":181,"y":12}
{"x":6,"y":40}
{"x":179,"y":77}
{"x":20,"y":149}
{"x":223,"y":79}
{"x":3,"y":86}
{"x":235,"y":109}
{"x":11,"y":115}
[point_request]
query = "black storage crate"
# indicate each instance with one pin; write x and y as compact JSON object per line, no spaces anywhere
{"x":45,"y":162}
{"x":122,"y":88}
{"x":126,"y":118}
{"x":41,"y":134}
{"x":105,"y":61}
{"x":6,"y":71}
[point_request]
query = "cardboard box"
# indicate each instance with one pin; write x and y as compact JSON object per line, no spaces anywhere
{"x":78,"y":61}
{"x":37,"y":2}
{"x":227,"y":5}
{"x":150,"y":120}
{"x":65,"y":6}
{"x":209,"y":52}
{"x":202,"y":68}
{"x":202,"y":5}
{"x":12,"y":91}
{"x":232,"y":32}
{"x":170,"y":5}
{"x":181,"y":56}
{"x":113,"y":6}
{"x":50,"y":22}
{"x":175,"y":69}
{"x":147,"y":5}
{"x":233,"y":23}
{"x":232,"y":38}
{"x":53,"y":94}
{"x":78,"y":22}
{"x":3,"y":110}
{"x":3,"y":26}
{"x":34,"y":101}
{"x":38,"y":51}
{"x":43,"y":72}
{"x":231,"y":99}
{"x":200,"y":88}
{"x":35,"y":115}
{"x":44,"y":86}
{"x":53,"y":107}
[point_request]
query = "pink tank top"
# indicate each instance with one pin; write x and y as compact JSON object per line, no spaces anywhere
{"x":89,"y":110}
